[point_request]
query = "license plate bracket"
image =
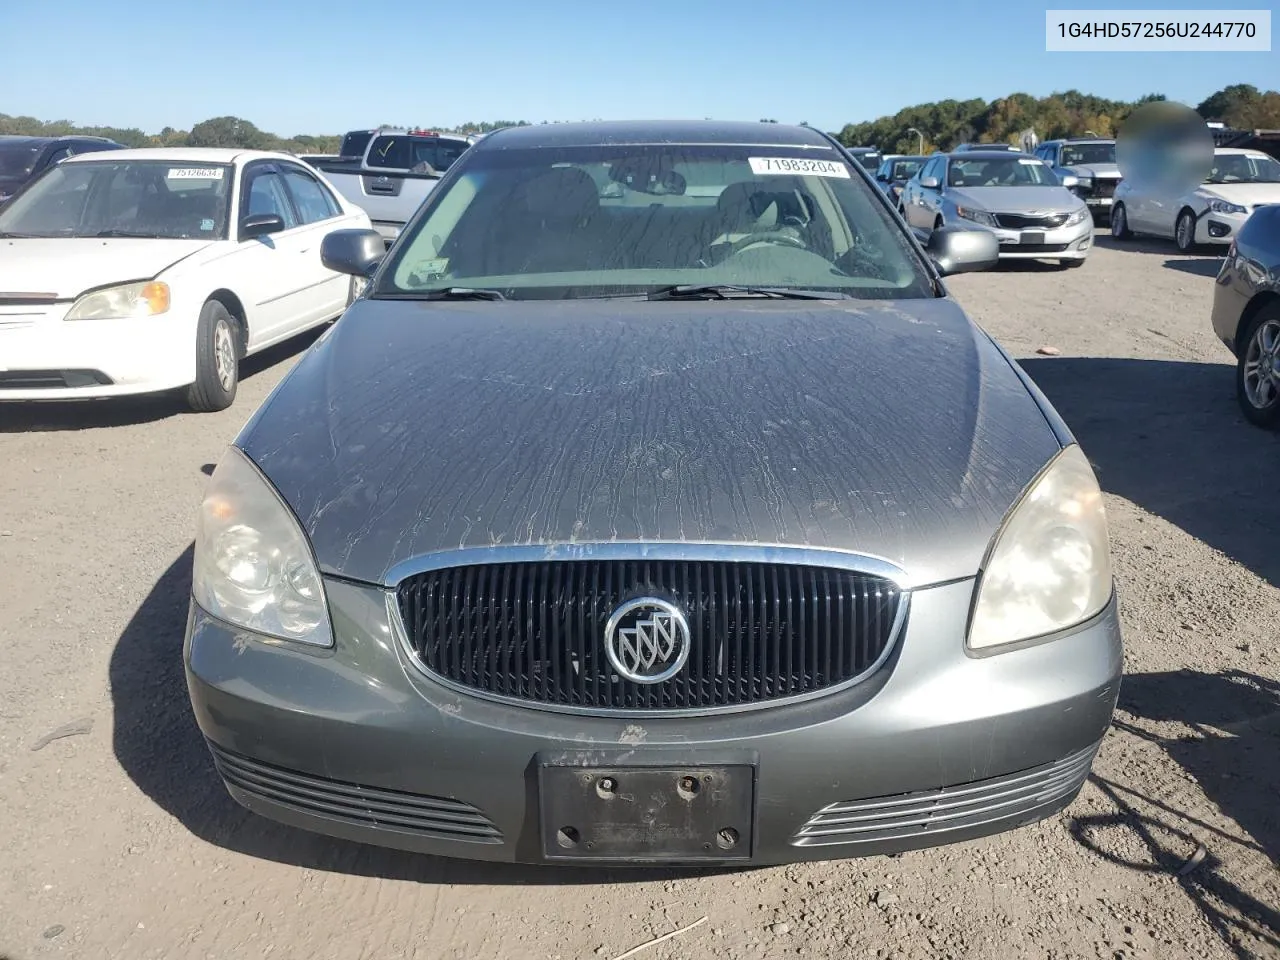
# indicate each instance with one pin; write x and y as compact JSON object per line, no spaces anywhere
{"x":1032,"y":238}
{"x":647,"y":814}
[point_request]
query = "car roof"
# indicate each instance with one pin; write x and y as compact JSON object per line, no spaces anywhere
{"x":1239,"y":152}
{"x":987,"y":154}
{"x":183,"y":154}
{"x":17,"y":137}
{"x":623,"y":132}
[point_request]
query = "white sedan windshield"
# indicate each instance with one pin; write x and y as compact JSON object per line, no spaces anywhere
{"x":129,"y":198}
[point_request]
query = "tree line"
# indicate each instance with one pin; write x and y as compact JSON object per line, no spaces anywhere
{"x":939,"y":125}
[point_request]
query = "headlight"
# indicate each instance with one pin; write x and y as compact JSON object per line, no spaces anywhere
{"x":1085,"y":183}
{"x":144,"y":299}
{"x":977,"y":216}
{"x":253,"y":565}
{"x":1222,"y":206}
{"x":1080,"y":216}
{"x":1049,"y":566}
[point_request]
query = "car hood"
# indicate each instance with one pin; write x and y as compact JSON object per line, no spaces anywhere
{"x":890,"y":429}
{"x":1016,"y":199}
{"x":1245,"y":194}
{"x":1097,"y":170}
{"x":68,"y":266}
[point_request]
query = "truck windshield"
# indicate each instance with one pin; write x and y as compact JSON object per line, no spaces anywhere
{"x":634,"y":220}
{"x":136,"y":198}
{"x":1074,"y":154}
{"x":402,"y":152}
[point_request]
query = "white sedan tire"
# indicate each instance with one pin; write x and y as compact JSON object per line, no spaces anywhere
{"x":217,"y":360}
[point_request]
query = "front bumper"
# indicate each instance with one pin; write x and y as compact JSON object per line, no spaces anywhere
{"x":1062,"y":243}
{"x":44,"y":357}
{"x":358,"y":742}
{"x":1218,"y":229}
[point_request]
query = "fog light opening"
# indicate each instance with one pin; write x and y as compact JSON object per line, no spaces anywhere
{"x":1218,"y":230}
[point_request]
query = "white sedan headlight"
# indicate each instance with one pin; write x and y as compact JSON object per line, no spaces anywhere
{"x":1225,"y":206}
{"x":148,"y":298}
{"x":1049,"y":566}
{"x":253,"y":564}
{"x":1080,"y":216}
{"x":977,"y":216}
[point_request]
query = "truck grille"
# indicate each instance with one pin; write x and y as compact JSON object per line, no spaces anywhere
{"x":1016,"y":221}
{"x":1104,"y":187}
{"x":534,"y":631}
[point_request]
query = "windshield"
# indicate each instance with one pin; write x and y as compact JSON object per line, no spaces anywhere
{"x":133,"y":198}
{"x":868,"y":160}
{"x":17,"y":157}
{"x":1000,"y":172}
{"x":1074,"y":154}
{"x":1243,"y":168}
{"x":420,"y":154}
{"x":630,"y":220}
{"x":353,"y":144}
{"x":905,"y":169}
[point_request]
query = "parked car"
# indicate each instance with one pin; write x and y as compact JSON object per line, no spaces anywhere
{"x":1246,"y":314}
{"x":869,"y":157}
{"x":22,"y":159}
{"x":894,"y":173}
{"x":598,"y":530}
{"x":138,"y":271}
{"x":397,"y":172}
{"x":985,"y":147}
{"x":1239,"y":182}
{"x":1031,"y":210}
{"x":1093,"y":163}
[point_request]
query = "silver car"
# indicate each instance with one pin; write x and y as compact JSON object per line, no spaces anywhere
{"x":1093,"y":163}
{"x":1028,"y":207}
{"x":598,"y":531}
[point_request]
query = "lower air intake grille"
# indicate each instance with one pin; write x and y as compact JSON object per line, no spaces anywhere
{"x":758,"y":632}
{"x":351,"y":803}
{"x":947,"y":809}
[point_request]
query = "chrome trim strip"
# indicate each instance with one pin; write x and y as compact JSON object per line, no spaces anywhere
{"x":707,"y":550}
{"x":837,"y":559}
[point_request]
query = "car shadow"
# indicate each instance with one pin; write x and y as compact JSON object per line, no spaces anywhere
{"x":59,"y":415}
{"x":1199,"y":266}
{"x":159,"y":746}
{"x":1231,"y":753}
{"x":1135,"y":244}
{"x":1169,"y":437}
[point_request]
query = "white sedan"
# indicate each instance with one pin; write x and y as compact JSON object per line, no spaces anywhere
{"x":1239,"y":182}
{"x":139,"y":271}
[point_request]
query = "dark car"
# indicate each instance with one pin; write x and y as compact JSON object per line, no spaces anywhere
{"x":869,"y":157}
{"x":22,"y":159}
{"x":895,"y":171}
{"x":600,"y":529}
{"x":1246,"y":314}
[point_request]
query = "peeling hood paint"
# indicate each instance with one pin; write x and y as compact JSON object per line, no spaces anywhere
{"x":894,"y":429}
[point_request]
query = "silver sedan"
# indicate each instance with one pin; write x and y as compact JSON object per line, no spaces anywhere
{"x":1031,"y":210}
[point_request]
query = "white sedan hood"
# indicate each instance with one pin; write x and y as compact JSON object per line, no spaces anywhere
{"x":66,"y":267}
{"x":1245,"y":194}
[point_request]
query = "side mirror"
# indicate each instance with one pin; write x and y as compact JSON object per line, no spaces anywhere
{"x":882,"y":177}
{"x":355,"y":252}
{"x":930,"y":183}
{"x":957,"y":249}
{"x":260,"y":225}
{"x":1070,"y":181}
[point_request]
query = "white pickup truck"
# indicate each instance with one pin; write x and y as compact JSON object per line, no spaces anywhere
{"x":399,"y":168}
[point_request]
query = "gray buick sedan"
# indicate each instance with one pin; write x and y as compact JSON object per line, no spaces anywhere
{"x":654,"y":504}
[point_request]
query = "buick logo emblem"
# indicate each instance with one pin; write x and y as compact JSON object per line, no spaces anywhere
{"x":647,"y":640}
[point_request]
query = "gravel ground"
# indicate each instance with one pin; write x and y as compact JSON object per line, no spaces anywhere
{"x":118,"y":840}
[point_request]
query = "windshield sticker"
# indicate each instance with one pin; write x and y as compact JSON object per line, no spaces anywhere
{"x":1028,"y":163}
{"x":206,"y":225}
{"x":194,"y":173}
{"x":795,"y":166}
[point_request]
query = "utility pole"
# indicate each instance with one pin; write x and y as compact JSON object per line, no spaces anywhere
{"x":920,"y":151}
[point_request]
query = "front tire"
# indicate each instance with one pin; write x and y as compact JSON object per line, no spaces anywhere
{"x":1258,"y":369}
{"x":1184,"y":232}
{"x":1120,"y":223}
{"x":217,"y":360}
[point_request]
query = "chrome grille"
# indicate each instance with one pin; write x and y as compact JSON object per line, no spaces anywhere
{"x":759,"y":632}
{"x":1016,"y":221}
{"x":948,"y":809}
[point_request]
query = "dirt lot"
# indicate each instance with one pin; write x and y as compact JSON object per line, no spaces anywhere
{"x":118,"y":840}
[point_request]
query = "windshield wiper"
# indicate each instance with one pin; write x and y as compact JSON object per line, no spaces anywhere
{"x":126,"y":233}
{"x":727,"y":291}
{"x":460,"y":293}
{"x":20,"y":236}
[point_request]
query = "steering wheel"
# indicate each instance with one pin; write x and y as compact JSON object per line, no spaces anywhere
{"x":768,"y":236}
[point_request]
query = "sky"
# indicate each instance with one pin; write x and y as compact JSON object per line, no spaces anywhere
{"x":326,"y":66}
